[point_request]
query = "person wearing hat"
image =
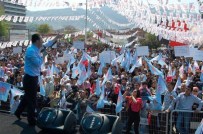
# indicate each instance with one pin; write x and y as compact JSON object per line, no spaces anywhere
{"x":32,"y":70}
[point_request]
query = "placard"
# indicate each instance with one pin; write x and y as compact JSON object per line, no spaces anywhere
{"x":107,"y":56}
{"x":18,"y":35}
{"x":192,"y":52}
{"x":17,"y":50}
{"x":59,"y":60}
{"x":181,"y":51}
{"x":142,"y":51}
{"x":198,"y":56}
{"x":67,"y":56}
{"x":94,"y":59}
{"x":79,"y":44}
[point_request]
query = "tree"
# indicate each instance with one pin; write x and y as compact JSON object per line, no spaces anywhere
{"x":89,"y":34}
{"x":4,"y":27}
{"x":32,"y":27}
{"x":69,"y":29}
{"x":151,"y":41}
{"x":44,"y":29}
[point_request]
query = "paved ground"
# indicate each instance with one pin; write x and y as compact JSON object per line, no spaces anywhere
{"x":9,"y":125}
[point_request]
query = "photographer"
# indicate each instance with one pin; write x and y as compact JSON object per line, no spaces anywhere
{"x":73,"y":97}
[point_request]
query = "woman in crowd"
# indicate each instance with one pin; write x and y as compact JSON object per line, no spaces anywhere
{"x":134,"y":103}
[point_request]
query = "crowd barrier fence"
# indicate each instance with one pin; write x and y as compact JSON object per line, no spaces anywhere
{"x":182,"y":121}
{"x":178,"y":121}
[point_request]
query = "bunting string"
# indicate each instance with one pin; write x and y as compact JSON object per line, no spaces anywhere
{"x":40,"y":18}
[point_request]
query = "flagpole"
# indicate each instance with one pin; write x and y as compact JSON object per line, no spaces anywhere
{"x":86,"y":23}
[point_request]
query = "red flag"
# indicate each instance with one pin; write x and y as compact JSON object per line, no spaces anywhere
{"x":117,"y":88}
{"x":169,"y":79}
{"x":85,"y":63}
{"x":92,"y":89}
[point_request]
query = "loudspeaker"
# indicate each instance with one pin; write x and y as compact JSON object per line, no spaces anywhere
{"x":57,"y":119}
{"x":100,"y":124}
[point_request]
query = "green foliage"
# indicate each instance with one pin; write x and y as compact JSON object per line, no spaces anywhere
{"x":32,"y":27}
{"x":4,"y":26}
{"x":44,"y":29}
{"x":89,"y":34}
{"x":1,"y":10}
{"x":82,"y":38}
{"x":151,"y":41}
{"x":69,"y":29}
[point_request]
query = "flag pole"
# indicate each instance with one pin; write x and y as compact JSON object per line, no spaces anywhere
{"x":86,"y":24}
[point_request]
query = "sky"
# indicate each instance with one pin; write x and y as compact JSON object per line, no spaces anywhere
{"x":84,"y":1}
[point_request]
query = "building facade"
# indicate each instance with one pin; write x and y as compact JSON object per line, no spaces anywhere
{"x":14,"y":10}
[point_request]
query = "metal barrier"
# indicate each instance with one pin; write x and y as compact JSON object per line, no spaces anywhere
{"x":158,"y":124}
{"x":184,"y":122}
{"x":108,"y":109}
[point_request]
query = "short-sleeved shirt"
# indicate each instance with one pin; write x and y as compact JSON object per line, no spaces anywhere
{"x":135,"y":107}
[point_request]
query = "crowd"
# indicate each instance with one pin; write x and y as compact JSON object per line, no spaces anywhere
{"x":73,"y":84}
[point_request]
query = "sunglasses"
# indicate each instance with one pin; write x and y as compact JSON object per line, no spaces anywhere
{"x":194,"y":91}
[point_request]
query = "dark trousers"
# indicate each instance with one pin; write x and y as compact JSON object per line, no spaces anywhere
{"x":30,"y":85}
{"x":133,"y":117}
